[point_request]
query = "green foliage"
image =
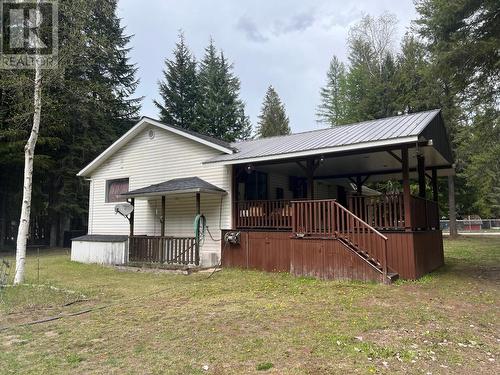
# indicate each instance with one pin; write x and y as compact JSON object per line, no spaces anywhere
{"x":481,"y":148}
{"x":367,"y":88}
{"x":452,"y":64}
{"x":220,"y":111}
{"x":264,"y":366}
{"x":462,"y":38}
{"x":332,"y":109}
{"x":86,"y":104}
{"x":273,"y":119}
{"x":179,"y":89}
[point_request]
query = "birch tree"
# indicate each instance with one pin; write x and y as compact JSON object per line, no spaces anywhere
{"x":29,"y":153}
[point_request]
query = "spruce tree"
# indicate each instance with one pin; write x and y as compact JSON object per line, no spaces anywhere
{"x":220,"y":111}
{"x":332,"y":109}
{"x":179,"y":88}
{"x":87,"y":104}
{"x":272,"y":119}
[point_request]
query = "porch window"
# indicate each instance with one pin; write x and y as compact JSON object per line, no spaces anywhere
{"x":256,"y":186}
{"x":114,"y":188}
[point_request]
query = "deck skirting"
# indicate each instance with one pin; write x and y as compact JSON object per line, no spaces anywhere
{"x":410,"y":254}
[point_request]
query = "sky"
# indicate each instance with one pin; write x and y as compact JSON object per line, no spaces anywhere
{"x":284,"y":43}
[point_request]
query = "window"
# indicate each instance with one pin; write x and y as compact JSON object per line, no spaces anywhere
{"x":114,"y":188}
{"x":256,"y":186}
{"x":280,"y":193}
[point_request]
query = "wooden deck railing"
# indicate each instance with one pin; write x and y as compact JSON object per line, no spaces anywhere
{"x":387,"y":211}
{"x":329,"y":219}
{"x":424,"y":213}
{"x":381,"y":211}
{"x":157,"y":249}
{"x":263,"y":214}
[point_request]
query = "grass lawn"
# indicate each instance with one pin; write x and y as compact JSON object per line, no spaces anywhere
{"x":252,"y":322}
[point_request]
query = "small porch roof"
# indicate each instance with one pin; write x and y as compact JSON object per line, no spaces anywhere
{"x":176,"y":186}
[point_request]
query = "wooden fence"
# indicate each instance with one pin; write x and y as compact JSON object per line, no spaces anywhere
{"x":170,"y":250}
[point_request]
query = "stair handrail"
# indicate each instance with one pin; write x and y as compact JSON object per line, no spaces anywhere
{"x":370,"y":229}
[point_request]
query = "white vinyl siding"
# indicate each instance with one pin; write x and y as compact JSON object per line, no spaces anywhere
{"x":147,"y":161}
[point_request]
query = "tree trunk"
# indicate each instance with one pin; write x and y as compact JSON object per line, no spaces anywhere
{"x":29,"y":151}
{"x":3,"y":219}
{"x":54,"y":223}
{"x":64,"y":226}
{"x":452,"y":210}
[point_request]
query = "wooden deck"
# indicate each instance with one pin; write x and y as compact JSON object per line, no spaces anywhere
{"x":321,"y":238}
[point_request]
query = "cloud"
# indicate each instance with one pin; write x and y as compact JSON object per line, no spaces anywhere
{"x":298,"y":22}
{"x":250,"y":29}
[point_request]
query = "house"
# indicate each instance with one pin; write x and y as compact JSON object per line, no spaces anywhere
{"x":297,"y":203}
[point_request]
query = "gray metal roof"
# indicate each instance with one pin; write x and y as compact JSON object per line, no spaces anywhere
{"x":404,"y":128}
{"x":177,"y":185}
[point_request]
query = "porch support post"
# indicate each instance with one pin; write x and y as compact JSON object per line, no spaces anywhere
{"x":310,"y":167}
{"x":162,"y":240}
{"x":359,"y":185}
{"x":131,"y":218}
{"x":197,"y":242}
{"x":234,"y":196}
{"x":163,"y":216}
{"x":406,"y":187}
{"x":198,"y":204}
{"x":434,"y":185}
{"x":421,"y":175}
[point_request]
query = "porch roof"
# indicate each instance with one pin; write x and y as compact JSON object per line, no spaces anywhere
{"x":176,"y":186}
{"x":362,"y":136}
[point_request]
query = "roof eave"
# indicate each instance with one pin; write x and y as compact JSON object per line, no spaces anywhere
{"x":174,"y":192}
{"x":319,"y":151}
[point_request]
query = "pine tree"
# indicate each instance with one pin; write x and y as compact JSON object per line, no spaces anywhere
{"x":92,"y":106}
{"x":273,"y":119}
{"x":370,"y":81}
{"x":416,"y":88}
{"x":220,"y":111}
{"x":87,"y":104}
{"x":179,"y":89}
{"x":332,"y":109}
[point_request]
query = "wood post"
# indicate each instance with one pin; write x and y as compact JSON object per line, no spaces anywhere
{"x":452,"y":210}
{"x":198,"y":204}
{"x":197,"y":235}
{"x":359,"y":185}
{"x":162,"y":222}
{"x":131,"y":219}
{"x":163,"y":215}
{"x":234,"y":196}
{"x":421,"y":175}
{"x":310,"y":167}
{"x":434,"y":185}
{"x":406,"y":187}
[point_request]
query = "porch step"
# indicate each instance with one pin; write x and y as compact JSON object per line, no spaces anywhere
{"x":392,"y":276}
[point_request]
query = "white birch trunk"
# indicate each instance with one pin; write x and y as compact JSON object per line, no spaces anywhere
{"x":29,"y":153}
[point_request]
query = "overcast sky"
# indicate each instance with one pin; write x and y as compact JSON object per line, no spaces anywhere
{"x":286,"y":43}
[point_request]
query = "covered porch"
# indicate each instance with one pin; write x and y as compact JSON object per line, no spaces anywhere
{"x":369,"y":212}
{"x":165,"y":249}
{"x":281,"y":196}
